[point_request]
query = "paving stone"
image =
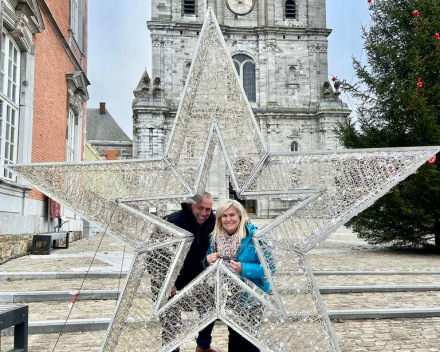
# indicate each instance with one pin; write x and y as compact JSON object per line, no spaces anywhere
{"x":343,"y":251}
{"x":357,"y":280}
{"x":61,"y":285}
{"x":380,"y":259}
{"x":372,"y":300}
{"x":60,"y":310}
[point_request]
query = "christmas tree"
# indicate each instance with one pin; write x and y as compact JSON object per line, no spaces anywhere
{"x":398,"y":104}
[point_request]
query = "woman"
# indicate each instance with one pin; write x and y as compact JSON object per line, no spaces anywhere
{"x":232,"y":243}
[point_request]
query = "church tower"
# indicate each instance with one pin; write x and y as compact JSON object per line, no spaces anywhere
{"x":279,"y":48}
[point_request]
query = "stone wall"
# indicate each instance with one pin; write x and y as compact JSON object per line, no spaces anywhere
{"x":291,"y":66}
{"x":13,"y":246}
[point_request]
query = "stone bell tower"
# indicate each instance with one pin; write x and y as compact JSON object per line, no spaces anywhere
{"x":279,"y":49}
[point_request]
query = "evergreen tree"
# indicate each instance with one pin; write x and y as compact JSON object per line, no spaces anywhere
{"x":398,"y":94}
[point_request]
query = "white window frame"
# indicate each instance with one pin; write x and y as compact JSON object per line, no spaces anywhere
{"x":71,"y":136}
{"x":9,"y":103}
{"x":76,"y":22}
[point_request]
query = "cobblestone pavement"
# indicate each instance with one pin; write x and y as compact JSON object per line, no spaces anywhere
{"x":342,"y":251}
{"x":373,"y":300}
{"x":360,"y":280}
{"x":61,"y":285}
{"x":114,"y":284}
{"x":48,"y":264}
{"x":54,"y":310}
{"x":387,"y":335}
{"x":375,"y":260}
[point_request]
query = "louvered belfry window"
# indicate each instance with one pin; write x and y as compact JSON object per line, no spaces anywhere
{"x":290,"y":9}
{"x":189,"y":7}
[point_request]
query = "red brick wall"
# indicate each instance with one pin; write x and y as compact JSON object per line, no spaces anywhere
{"x":50,"y":91}
{"x":111,"y":154}
{"x":60,"y":11}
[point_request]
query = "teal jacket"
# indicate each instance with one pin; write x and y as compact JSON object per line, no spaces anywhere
{"x":250,"y":263}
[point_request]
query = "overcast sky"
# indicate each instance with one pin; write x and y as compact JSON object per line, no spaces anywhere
{"x":119,"y":49}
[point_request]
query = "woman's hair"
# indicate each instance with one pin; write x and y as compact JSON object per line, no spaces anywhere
{"x":222,"y":207}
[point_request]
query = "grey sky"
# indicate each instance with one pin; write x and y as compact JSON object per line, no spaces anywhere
{"x":119,"y":48}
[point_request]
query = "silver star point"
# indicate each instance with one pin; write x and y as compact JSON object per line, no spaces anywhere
{"x":326,"y":189}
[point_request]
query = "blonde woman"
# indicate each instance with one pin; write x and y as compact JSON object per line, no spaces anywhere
{"x":232,"y":243}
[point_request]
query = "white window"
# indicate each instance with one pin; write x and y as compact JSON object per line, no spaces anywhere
{"x":77,"y":21}
{"x":9,"y":103}
{"x":71,"y":136}
{"x":74,"y":16}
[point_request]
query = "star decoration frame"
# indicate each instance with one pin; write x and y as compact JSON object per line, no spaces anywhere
{"x":326,"y":189}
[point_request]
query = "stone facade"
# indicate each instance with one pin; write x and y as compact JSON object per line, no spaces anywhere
{"x":296,"y":107}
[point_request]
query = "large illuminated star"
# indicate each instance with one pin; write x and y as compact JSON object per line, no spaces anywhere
{"x":326,"y":188}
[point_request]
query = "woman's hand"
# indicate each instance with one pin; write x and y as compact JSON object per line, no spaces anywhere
{"x":211,"y":258}
{"x":236,"y":266}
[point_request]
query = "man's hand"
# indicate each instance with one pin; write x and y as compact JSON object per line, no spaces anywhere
{"x":173,"y":291}
{"x":236,"y":266}
{"x":211,"y":258}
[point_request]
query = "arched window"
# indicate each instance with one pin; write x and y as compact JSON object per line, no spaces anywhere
{"x":290,"y":9}
{"x":189,"y":7}
{"x":245,"y":67}
{"x":294,"y":147}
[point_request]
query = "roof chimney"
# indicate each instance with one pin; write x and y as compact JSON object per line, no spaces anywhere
{"x":101,"y":108}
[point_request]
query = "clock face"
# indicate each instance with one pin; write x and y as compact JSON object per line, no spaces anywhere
{"x":240,"y":7}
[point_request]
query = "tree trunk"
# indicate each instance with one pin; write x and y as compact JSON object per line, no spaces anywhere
{"x":437,"y":232}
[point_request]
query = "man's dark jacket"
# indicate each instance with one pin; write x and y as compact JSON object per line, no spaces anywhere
{"x":192,"y":266}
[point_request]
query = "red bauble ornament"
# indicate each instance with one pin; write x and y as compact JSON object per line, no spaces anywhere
{"x":419,"y":82}
{"x":333,"y":79}
{"x":436,"y":36}
{"x":432,"y":160}
{"x":415,"y":13}
{"x":368,"y":1}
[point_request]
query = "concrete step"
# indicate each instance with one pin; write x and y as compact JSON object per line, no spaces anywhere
{"x":13,"y":276}
{"x":377,"y":288}
{"x":376,"y":272}
{"x":77,"y":325}
{"x":46,"y":296}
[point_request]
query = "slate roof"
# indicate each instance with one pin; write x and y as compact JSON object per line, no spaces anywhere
{"x":103,"y":127}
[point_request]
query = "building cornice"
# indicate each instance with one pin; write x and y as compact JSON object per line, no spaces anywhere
{"x":185,"y":26}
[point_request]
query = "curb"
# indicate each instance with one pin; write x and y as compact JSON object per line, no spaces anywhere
{"x":81,"y":325}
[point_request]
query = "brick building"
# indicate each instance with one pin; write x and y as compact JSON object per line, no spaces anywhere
{"x":279,"y":49}
{"x":43,"y":95}
{"x":106,"y":136}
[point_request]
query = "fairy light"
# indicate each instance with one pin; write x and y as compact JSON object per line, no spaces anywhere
{"x":326,"y":189}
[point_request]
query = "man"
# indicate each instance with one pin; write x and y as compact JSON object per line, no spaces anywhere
{"x":198,"y":219}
